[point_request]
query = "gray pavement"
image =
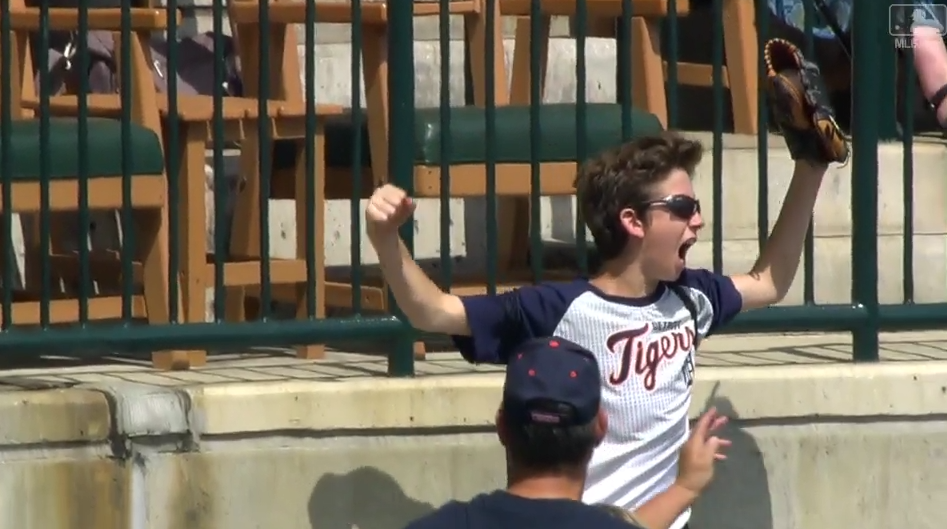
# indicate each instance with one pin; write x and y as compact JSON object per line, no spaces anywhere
{"x":274,"y":365}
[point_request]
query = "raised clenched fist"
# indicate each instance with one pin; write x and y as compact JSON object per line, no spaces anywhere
{"x":388,"y":208}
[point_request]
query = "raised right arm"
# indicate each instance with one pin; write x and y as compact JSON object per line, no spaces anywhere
{"x":427,"y":307}
{"x":484,"y":328}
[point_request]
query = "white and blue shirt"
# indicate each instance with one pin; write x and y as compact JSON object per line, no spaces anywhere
{"x":645,"y":350}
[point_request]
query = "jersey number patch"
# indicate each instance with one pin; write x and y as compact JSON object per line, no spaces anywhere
{"x":687,"y":370}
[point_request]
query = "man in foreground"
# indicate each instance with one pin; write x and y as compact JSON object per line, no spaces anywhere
{"x":645,"y":311}
{"x":550,"y":421}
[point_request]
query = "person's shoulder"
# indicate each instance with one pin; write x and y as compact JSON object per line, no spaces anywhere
{"x":451,"y":515}
{"x":555,"y":293}
{"x":706,"y":282}
{"x":562,"y":290}
{"x":713,"y":295}
{"x":697,"y":277}
{"x":593,"y":516}
{"x":548,"y":301}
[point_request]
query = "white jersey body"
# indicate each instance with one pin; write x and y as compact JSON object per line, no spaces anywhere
{"x":645,"y":350}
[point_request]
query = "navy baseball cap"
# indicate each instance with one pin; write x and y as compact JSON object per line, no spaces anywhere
{"x":552,"y":382}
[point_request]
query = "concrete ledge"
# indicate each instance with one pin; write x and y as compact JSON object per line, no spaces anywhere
{"x":901,"y":389}
{"x":371,"y":403}
{"x":842,"y":390}
{"x":897,"y":390}
{"x":53,"y":416}
{"x":144,"y":410}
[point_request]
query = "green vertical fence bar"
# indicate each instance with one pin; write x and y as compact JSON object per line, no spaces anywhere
{"x":885,"y":61}
{"x":265,"y":159}
{"x":446,"y":143}
{"x":128,"y":230}
{"x":581,"y":121}
{"x":623,"y":77}
{"x":490,"y":158}
{"x":535,"y":139}
{"x":762,"y":134}
{"x":221,"y":244}
{"x":468,"y":74}
{"x":907,"y":175}
{"x":400,"y":147}
{"x":172,"y":147}
{"x":673,"y":56}
{"x":357,"y":166}
{"x":128,"y":226}
{"x":6,"y":167}
{"x":717,"y":159}
{"x":868,"y":25}
{"x":312,"y":178}
{"x":83,"y":128}
{"x":44,"y":174}
{"x":811,"y":18}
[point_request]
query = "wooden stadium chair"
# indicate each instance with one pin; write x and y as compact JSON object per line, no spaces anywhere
{"x":241,"y":115}
{"x":148,"y":199}
{"x":286,"y":85}
{"x":288,"y":177}
{"x":649,"y":69}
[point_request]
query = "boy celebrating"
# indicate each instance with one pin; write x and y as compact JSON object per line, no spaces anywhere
{"x":643,"y":313}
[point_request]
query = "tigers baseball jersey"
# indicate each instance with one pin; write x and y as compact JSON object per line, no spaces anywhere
{"x":645,"y":350}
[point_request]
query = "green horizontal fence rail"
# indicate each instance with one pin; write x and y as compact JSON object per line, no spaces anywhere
{"x":36,"y":138}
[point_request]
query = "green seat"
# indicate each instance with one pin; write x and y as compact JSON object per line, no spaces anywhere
{"x":103,"y":148}
{"x":467,"y":129}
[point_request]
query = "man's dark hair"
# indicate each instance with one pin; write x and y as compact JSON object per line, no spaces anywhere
{"x":622,"y":178}
{"x":543,"y":447}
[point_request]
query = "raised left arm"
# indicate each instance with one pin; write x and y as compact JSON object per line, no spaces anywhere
{"x":770,"y":278}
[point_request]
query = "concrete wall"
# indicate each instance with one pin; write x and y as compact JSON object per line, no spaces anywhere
{"x":829,"y":446}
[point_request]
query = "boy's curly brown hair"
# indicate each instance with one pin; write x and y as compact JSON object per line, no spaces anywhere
{"x":624,"y":177}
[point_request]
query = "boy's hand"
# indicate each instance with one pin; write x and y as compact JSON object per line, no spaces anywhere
{"x":696,"y":460}
{"x":388,"y":208}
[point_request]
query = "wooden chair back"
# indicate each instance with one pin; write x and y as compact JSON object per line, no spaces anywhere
{"x":649,"y":68}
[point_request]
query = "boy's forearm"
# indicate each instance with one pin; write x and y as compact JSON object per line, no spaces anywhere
{"x":780,"y":256}
{"x":425,"y":305}
{"x":662,"y":510}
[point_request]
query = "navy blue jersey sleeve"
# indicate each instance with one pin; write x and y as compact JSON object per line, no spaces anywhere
{"x":721,"y":295}
{"x":500,"y":323}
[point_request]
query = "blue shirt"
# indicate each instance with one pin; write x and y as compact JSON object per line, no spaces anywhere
{"x":793,"y":13}
{"x":902,"y":18}
{"x":502,"y":510}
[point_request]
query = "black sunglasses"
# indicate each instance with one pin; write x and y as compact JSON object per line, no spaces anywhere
{"x":681,"y":206}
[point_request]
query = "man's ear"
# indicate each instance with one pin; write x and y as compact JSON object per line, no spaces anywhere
{"x":632,"y":222}
{"x":501,"y":428}
{"x":601,"y":426}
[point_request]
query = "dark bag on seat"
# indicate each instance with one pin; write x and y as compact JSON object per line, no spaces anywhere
{"x":195,"y":65}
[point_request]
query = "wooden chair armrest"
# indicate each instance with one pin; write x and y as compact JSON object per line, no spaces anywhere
{"x":611,"y":8}
{"x":376,"y":14}
{"x":108,"y":19}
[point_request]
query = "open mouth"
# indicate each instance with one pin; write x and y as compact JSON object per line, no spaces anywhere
{"x":684,"y":248}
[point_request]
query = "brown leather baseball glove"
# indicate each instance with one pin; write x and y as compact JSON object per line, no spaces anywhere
{"x":801,"y":106}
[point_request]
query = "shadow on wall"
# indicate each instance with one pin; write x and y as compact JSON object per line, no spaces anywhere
{"x":739,"y":496}
{"x":365,"y":498}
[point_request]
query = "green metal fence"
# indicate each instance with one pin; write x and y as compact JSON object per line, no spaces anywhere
{"x":38,"y":151}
